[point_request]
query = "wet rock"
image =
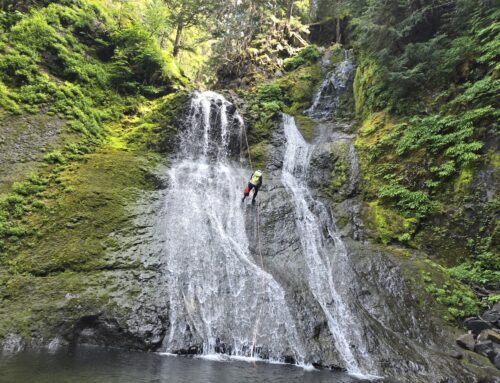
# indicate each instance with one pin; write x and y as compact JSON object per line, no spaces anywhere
{"x":193,"y":350}
{"x":492,"y":316}
{"x":496,"y":361}
{"x":466,"y":341}
{"x":476,"y":325}
{"x":456,"y":354}
{"x":485,"y":348}
{"x":490,"y":335}
{"x":12,"y":343}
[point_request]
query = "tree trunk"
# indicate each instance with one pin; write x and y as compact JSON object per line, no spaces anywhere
{"x":339,"y":36}
{"x":288,"y":16}
{"x":177,"y":43}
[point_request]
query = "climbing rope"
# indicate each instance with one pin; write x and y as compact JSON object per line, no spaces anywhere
{"x":259,"y":302}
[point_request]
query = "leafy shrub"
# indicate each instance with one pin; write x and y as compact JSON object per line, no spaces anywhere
{"x":305,"y":56}
{"x":270,"y":93}
{"x":409,"y":203}
{"x":461,"y":301}
{"x":483,"y":269}
{"x":55,"y":157}
{"x":138,"y":61}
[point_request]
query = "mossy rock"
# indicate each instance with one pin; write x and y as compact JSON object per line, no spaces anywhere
{"x":306,"y":126}
{"x":440,"y":294}
{"x":385,"y":225}
{"x":73,"y":232}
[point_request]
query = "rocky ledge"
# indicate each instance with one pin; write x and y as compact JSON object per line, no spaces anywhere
{"x":483,"y":336}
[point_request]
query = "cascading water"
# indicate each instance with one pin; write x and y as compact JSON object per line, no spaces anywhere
{"x":327,"y":268}
{"x":327,"y":99}
{"x":221,"y":300}
{"x":299,"y":298}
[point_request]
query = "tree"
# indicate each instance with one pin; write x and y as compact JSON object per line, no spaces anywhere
{"x":157,"y":20}
{"x":186,"y":13}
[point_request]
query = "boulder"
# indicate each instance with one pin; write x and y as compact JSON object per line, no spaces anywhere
{"x":477,"y":325}
{"x":492,"y":316}
{"x":496,"y":361}
{"x":466,"y":341}
{"x":490,"y":335}
{"x":457,"y":354}
{"x":485,"y":348}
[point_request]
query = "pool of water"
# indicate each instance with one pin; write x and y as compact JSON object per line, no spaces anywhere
{"x":99,"y":365}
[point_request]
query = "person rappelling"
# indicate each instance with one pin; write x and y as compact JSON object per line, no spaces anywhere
{"x":255,"y":184}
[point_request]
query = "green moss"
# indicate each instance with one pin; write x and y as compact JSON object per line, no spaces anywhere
{"x":73,"y":233}
{"x":463,"y":180}
{"x":298,"y":87}
{"x":290,"y":94}
{"x":364,"y":79}
{"x":336,"y":54}
{"x":335,"y":187}
{"x":258,"y":153}
{"x":386,"y":225}
{"x":306,"y":126}
{"x":305,"y":56}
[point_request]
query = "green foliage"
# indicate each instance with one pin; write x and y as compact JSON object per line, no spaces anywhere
{"x":291,"y":94}
{"x":14,"y":205}
{"x":156,"y":128}
{"x":55,"y":157}
{"x":270,"y":98}
{"x":305,"y":56}
{"x":74,"y":44}
{"x":483,"y":269}
{"x":138,"y":64}
{"x":410,"y":203}
{"x":424,"y":46}
{"x":459,"y":300}
{"x":430,"y":69}
{"x":492,"y":299}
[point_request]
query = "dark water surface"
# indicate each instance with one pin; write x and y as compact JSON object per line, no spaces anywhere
{"x":98,"y":365}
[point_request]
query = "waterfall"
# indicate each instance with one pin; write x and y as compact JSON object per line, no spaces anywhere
{"x":221,"y":300}
{"x":327,"y":269}
{"x":327,"y":98}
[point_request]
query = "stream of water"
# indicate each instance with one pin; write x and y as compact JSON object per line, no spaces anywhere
{"x":327,"y":268}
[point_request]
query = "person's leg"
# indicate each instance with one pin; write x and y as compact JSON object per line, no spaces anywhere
{"x":256,"y":190}
{"x":245,"y":195}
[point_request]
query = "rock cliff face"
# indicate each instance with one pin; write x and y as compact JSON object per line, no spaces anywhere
{"x":300,"y":286}
{"x":399,"y":337}
{"x":171,"y":260}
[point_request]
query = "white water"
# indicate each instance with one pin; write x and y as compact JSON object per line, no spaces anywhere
{"x":220,"y":298}
{"x":326,"y":100}
{"x":327,"y":269}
